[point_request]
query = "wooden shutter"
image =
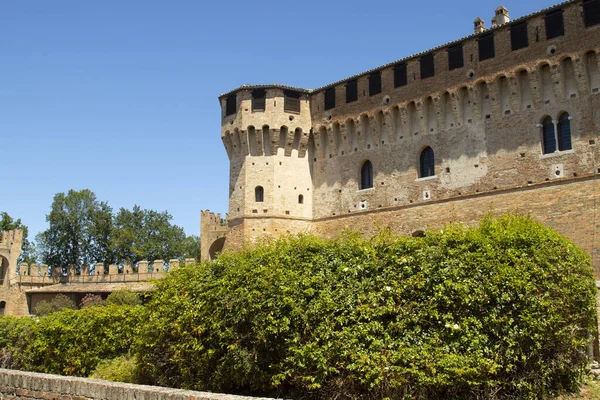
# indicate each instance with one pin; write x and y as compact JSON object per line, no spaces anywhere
{"x":351,"y":91}
{"x":329,"y":98}
{"x":518,"y":36}
{"x":455,"y":57}
{"x":400,"y":75}
{"x":591,"y":12}
{"x":375,"y":83}
{"x":555,"y":26}
{"x":486,"y":47}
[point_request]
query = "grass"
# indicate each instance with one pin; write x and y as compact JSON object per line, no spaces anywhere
{"x":590,"y":390}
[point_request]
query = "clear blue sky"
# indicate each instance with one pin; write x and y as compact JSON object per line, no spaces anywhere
{"x":120,"y":97}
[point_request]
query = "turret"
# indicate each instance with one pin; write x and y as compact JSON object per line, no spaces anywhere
{"x":479,"y":25}
{"x":501,"y":17}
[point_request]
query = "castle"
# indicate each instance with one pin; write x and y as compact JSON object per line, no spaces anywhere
{"x":507,"y":119}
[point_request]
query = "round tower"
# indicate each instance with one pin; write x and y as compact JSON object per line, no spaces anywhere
{"x":265,"y":130}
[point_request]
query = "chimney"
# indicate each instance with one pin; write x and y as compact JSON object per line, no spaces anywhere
{"x":501,"y":17}
{"x":479,"y":25}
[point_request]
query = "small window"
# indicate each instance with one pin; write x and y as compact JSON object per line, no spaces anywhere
{"x":427,"y":67}
{"x":486,"y":47}
{"x":291,"y":101}
{"x":375,"y":83}
{"x":258,"y":100}
{"x":564,"y":132}
{"x":548,"y":136}
{"x":366,"y":175}
{"x":300,"y":199}
{"x":2,"y":307}
{"x":259,"y":194}
{"x":351,"y":91}
{"x":231,"y":105}
{"x":591,"y":12}
{"x":518,"y":36}
{"x":455,"y":57}
{"x":555,"y":25}
{"x":329,"y":98}
{"x":426,"y":163}
{"x":400,"y":75}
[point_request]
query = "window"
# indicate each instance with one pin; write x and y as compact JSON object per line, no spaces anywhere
{"x":329,"y":98}
{"x":300,"y":199}
{"x":455,"y":57}
{"x":564,"y":132}
{"x":518,"y":36}
{"x":426,"y":163}
{"x":259,"y":194}
{"x":486,"y":47}
{"x":375,"y":83}
{"x":366,"y":175}
{"x":231,"y":105}
{"x":291,"y":101}
{"x":258,"y":100}
{"x":591,"y":12}
{"x":2,"y":307}
{"x":351,"y":91}
{"x":548,"y":136}
{"x":400,"y":75}
{"x":427,"y":67}
{"x":555,"y":26}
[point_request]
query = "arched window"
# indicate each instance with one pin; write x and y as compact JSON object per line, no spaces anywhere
{"x":548,"y":136}
{"x":564,"y":132}
{"x":427,"y":163}
{"x":366,"y":175}
{"x":300,"y":199}
{"x":259,"y":194}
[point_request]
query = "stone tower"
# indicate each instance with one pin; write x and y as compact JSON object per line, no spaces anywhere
{"x":265,"y":130}
{"x":500,"y":17}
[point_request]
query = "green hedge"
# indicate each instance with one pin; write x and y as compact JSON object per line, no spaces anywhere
{"x":505,"y":310}
{"x":69,"y":342}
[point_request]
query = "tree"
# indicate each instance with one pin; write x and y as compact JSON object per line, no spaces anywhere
{"x":191,"y":247}
{"x":146,"y":235}
{"x":79,"y":231}
{"x":7,"y":223}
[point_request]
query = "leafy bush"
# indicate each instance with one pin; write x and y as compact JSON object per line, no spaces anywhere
{"x":58,"y":303}
{"x":123,"y":297}
{"x":502,"y":311}
{"x":119,"y":369}
{"x":91,"y":300}
{"x":69,"y":342}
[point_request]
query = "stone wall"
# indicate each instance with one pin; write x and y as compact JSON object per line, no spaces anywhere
{"x":33,"y":386}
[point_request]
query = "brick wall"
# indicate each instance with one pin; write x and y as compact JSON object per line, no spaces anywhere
{"x":33,"y":386}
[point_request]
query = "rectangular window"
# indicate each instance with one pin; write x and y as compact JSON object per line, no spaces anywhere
{"x":555,"y":25}
{"x":455,"y":57}
{"x":351,"y":91}
{"x":329,"y":98}
{"x":258,"y":100}
{"x":591,"y":12}
{"x":518,"y":36}
{"x":427,"y":67}
{"x":231,"y":105}
{"x":486,"y":47}
{"x":400,"y":75}
{"x":291,"y":101}
{"x":375,"y":83}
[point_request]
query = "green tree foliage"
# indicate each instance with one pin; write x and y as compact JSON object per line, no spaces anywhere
{"x":123,"y":297}
{"x":58,"y":303}
{"x":79,"y":230}
{"x":146,"y":235}
{"x":69,"y":342}
{"x":503,"y":311}
{"x":7,"y":223}
{"x":191,"y":247}
{"x":92,"y":300}
{"x":119,"y":369}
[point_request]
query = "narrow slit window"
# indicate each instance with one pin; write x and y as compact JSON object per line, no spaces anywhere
{"x":259,"y":194}
{"x":291,"y":101}
{"x":366,"y":175}
{"x":518,"y":36}
{"x":591,"y":12}
{"x":426,"y":163}
{"x":555,"y":25}
{"x":455,"y":57}
{"x":375,"y":83}
{"x":258,"y":100}
{"x":231,"y":105}
{"x":564,"y":132}
{"x":548,"y":136}
{"x":427,"y":67}
{"x":329,"y":98}
{"x":486,"y":47}
{"x":300,"y":199}
{"x":400,"y":75}
{"x":351,"y":91}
